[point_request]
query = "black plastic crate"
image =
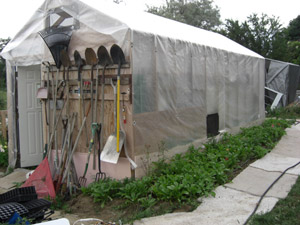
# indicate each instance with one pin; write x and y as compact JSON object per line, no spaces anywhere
{"x":37,"y":205}
{"x":8,"y":209}
{"x":20,"y":195}
{"x":37,"y":209}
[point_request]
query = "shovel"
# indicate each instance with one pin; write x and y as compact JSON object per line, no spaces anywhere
{"x":91,"y":59}
{"x":104,"y":60}
{"x":79,"y":62}
{"x":111,"y":151}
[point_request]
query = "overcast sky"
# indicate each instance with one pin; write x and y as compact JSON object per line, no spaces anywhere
{"x":15,"y":13}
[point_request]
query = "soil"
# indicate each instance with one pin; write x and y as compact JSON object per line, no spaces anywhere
{"x":84,"y":207}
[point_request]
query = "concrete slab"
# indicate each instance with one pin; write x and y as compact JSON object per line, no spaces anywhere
{"x":228,"y":207}
{"x":256,"y":181}
{"x":9,"y":181}
{"x":297,"y":127}
{"x":277,"y":163}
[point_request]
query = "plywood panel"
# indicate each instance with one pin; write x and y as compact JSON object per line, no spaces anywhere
{"x":108,"y":126}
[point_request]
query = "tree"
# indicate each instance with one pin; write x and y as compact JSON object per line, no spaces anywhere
{"x":263,"y":35}
{"x":3,"y":43}
{"x":198,"y":13}
{"x":294,"y":29}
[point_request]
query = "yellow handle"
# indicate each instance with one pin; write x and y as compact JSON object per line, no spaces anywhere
{"x":118,"y":114}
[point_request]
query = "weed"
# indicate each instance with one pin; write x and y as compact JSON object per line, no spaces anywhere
{"x":290,"y":112}
{"x":146,"y":160}
{"x":59,"y":204}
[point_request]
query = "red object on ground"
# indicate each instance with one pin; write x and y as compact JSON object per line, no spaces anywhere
{"x":41,"y":179}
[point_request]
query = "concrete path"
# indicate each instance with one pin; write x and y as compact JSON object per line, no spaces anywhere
{"x":234,"y":202}
{"x":12,"y":180}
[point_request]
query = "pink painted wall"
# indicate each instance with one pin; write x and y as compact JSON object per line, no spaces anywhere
{"x":120,"y":170}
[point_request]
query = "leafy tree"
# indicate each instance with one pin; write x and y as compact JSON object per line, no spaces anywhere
{"x":198,"y":13}
{"x":3,"y":43}
{"x":294,"y":29}
{"x":264,"y":35}
{"x":293,"y":54}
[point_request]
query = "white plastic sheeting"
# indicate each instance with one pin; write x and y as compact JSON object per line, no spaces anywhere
{"x":180,"y":73}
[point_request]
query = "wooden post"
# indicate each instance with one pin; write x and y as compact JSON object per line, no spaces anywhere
{"x":3,"y":114}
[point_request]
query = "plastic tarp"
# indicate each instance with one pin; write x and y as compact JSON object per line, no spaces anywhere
{"x":283,"y":77}
{"x":42,"y":181}
{"x":180,"y":73}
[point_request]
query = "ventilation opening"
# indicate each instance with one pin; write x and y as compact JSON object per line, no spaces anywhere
{"x":212,"y":124}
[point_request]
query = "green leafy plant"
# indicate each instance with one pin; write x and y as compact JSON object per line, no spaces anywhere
{"x":4,"y":154}
{"x":186,"y":177}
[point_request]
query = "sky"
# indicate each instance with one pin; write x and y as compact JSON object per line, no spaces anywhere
{"x":15,"y":13}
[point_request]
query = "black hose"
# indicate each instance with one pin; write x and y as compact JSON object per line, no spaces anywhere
{"x":263,"y":195}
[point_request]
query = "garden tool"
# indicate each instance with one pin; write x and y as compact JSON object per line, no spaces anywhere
{"x":100,"y":175}
{"x":82,"y":180}
{"x":64,"y":155}
{"x":104,"y":60}
{"x":56,"y":39}
{"x":67,"y":63}
{"x":75,"y":144}
{"x":79,"y":63}
{"x":91,"y":59}
{"x":111,"y":151}
{"x":123,"y":108}
{"x":47,"y":110}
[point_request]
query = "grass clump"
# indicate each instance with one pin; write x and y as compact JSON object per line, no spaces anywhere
{"x":286,"y":211}
{"x":194,"y":174}
{"x":290,"y":112}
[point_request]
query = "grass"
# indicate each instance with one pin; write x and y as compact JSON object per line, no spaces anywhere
{"x":290,"y":112}
{"x":189,"y":176}
{"x":285,"y":212}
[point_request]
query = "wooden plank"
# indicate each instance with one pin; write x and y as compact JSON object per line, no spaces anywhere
{"x":3,"y":114}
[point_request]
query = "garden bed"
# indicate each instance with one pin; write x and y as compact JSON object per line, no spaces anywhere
{"x":176,"y":185}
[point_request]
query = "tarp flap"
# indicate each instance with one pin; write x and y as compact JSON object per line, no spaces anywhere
{"x":283,"y":77}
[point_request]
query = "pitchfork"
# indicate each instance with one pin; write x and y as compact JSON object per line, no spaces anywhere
{"x":82,"y":180}
{"x":100,"y":175}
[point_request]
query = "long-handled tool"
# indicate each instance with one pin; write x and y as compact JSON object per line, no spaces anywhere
{"x":67,"y":63}
{"x":91,"y":59}
{"x":64,"y":155}
{"x":111,"y":151}
{"x":79,"y":63}
{"x":82,"y":180}
{"x":47,"y":109}
{"x":100,"y":175}
{"x":67,"y":170}
{"x":56,"y":39}
{"x":104,"y":60}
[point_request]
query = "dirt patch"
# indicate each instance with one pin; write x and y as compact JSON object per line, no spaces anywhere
{"x":85,"y":207}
